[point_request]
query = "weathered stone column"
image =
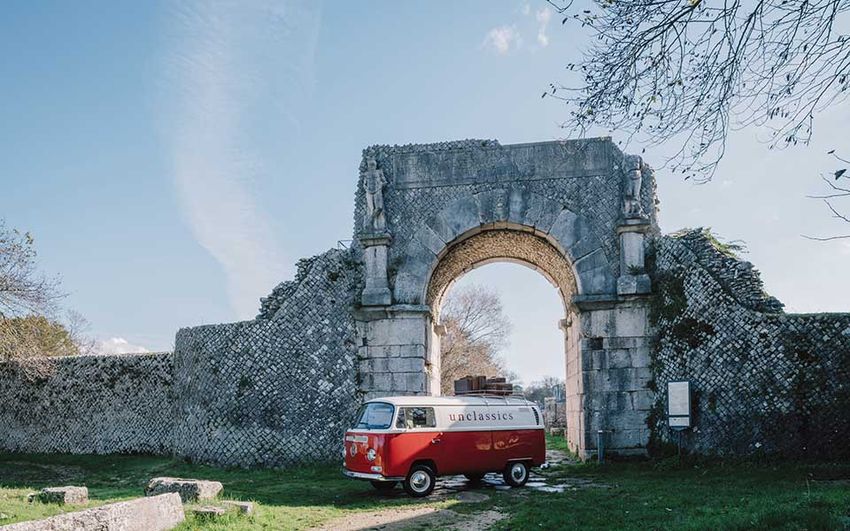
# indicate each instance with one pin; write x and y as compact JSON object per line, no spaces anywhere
{"x":574,"y":389}
{"x":376,"y":291}
{"x":614,"y":355}
{"x":633,"y":279}
{"x":394,"y":342}
{"x":433,"y":360}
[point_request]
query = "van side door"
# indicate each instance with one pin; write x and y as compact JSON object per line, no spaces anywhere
{"x":466,"y":443}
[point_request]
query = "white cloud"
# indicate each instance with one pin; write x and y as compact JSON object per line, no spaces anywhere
{"x":526,"y":8}
{"x":502,"y":39}
{"x":239,"y":71}
{"x":117,"y":345}
{"x":543,"y":16}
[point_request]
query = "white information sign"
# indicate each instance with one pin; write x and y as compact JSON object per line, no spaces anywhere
{"x":679,"y":404}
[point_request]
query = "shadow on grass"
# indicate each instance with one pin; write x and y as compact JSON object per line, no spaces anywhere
{"x":110,"y":477}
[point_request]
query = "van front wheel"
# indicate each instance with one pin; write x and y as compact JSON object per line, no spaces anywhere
{"x":420,"y":481}
{"x":516,"y":474}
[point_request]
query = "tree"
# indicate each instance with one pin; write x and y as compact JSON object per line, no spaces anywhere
{"x":23,"y":290}
{"x":688,"y":70}
{"x":35,"y":336}
{"x":541,"y":390}
{"x":476,"y":330}
{"x":30,"y":330}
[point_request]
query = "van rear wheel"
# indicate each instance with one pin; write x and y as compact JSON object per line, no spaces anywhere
{"x":516,"y":474}
{"x":420,"y":481}
{"x":384,"y":486}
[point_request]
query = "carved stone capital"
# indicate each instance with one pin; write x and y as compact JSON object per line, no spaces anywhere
{"x":371,"y":239}
{"x":641,"y":225}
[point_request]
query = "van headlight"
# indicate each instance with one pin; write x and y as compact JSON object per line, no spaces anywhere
{"x":371,"y":454}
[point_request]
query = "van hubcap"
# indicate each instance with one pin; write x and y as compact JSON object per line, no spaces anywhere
{"x":420,"y":481}
{"x":518,"y":472}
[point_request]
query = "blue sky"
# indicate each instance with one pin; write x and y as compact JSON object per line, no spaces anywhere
{"x":174,"y":160}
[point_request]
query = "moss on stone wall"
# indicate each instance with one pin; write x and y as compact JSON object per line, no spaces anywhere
{"x":764,"y":382}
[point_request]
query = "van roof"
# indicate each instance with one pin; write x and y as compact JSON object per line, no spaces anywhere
{"x":489,"y":400}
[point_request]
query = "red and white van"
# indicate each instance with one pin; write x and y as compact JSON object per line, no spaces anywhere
{"x":413,"y":439}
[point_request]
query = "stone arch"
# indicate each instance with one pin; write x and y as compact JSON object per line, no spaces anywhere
{"x":505,"y":242}
{"x":508,"y":244}
{"x":562,"y":208}
{"x":515,"y":209}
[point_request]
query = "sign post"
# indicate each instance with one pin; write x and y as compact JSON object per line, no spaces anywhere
{"x":679,"y":409}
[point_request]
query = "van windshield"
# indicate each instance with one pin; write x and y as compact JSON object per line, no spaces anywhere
{"x":374,"y":416}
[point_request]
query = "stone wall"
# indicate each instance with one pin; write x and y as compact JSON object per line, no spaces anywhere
{"x":280,"y":389}
{"x":764,"y":382}
{"x":90,"y":404}
{"x":277,"y":390}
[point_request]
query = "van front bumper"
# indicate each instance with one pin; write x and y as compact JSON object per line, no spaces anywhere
{"x":370,"y":477}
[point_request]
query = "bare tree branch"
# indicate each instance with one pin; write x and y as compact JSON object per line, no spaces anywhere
{"x":476,"y":331}
{"x":689,"y":71}
{"x":23,"y":290}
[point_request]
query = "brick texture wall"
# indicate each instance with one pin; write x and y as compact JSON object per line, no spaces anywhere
{"x":90,"y":404}
{"x":764,"y":382}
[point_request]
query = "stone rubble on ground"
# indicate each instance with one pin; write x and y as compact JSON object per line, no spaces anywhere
{"x":155,"y":513}
{"x":210,"y":511}
{"x":189,"y":489}
{"x":68,"y":495}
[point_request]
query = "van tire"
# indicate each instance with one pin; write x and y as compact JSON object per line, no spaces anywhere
{"x":384,"y":486}
{"x":420,"y":481}
{"x":474,"y":478}
{"x":516,"y":473}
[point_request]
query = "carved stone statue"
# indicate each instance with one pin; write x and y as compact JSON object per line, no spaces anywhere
{"x":631,"y":195}
{"x":374,"y":182}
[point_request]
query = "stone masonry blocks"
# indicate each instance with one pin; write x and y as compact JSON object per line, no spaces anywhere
{"x":764,"y":382}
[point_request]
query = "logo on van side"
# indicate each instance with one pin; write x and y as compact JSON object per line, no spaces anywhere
{"x":476,"y":415}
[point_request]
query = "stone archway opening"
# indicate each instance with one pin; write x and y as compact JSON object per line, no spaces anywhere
{"x":520,"y":245}
{"x":502,"y":319}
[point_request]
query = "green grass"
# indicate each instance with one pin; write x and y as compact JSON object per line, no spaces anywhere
{"x":643,"y":495}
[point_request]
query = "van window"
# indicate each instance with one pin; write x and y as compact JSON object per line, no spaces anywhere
{"x":374,"y":416}
{"x":416,"y":417}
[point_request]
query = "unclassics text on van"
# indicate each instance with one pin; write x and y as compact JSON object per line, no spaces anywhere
{"x":475,"y":415}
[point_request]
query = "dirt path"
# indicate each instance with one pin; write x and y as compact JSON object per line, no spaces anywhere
{"x":457,"y":488}
{"x":398,"y":519}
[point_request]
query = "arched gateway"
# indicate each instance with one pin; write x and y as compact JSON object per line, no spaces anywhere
{"x":578,"y":212}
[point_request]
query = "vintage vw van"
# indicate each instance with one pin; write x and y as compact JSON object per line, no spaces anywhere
{"x":413,"y":439}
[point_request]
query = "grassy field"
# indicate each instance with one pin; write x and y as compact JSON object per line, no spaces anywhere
{"x":647,"y":495}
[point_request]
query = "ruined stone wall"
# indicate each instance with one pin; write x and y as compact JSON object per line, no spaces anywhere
{"x":90,"y":404}
{"x":280,"y":389}
{"x":764,"y":382}
{"x":276,"y":390}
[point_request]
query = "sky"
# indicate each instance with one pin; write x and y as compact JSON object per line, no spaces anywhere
{"x":173,"y":160}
